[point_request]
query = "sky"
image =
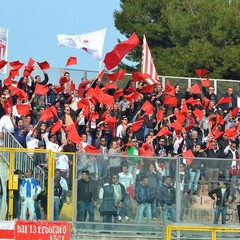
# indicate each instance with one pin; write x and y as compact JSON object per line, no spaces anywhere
{"x":34,"y":25}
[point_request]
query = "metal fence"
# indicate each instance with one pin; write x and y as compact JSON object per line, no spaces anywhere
{"x":220,"y":85}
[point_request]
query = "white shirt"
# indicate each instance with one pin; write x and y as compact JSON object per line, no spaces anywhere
{"x":50,"y":145}
{"x":6,"y":122}
{"x":31,"y":142}
{"x":126,"y":179}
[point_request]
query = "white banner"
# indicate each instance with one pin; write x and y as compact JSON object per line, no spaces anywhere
{"x":3,"y":47}
{"x":90,"y":42}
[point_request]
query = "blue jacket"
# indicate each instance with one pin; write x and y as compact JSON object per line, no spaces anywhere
{"x":143,"y":194}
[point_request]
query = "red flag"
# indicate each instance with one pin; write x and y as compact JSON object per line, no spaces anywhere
{"x":27,"y":71}
{"x":16,"y":64}
{"x":23,"y":109}
{"x":113,"y":58}
{"x":235,"y":111}
{"x":148,"y":66}
{"x":43,"y":65}
{"x":147,"y":107}
{"x":71,"y":128}
{"x":100,"y":75}
{"x":138,"y":76}
{"x":13,"y":73}
{"x":195,"y":89}
{"x":224,"y":100}
{"x":58,"y":89}
{"x":131,"y":192}
{"x":56,"y":126}
{"x":41,"y":89}
{"x":206,"y":82}
{"x":118,"y":93}
{"x":231,"y":133}
{"x":71,"y":61}
{"x":176,"y":126}
{"x":193,"y":101}
{"x":93,"y":115}
{"x":170,"y":101}
{"x":184,"y":108}
{"x":217,"y":134}
{"x":219,"y":119}
{"x":74,"y":137}
{"x":30,"y":62}
{"x":117,"y":75}
{"x":201,"y":72}
{"x":159,"y":115}
{"x":2,"y":64}
{"x":205,"y":102}
{"x":180,"y":117}
{"x":46,"y":115}
{"x":22,"y":95}
{"x":163,"y":132}
{"x":63,"y":80}
{"x":169,"y":89}
{"x":145,"y":152}
{"x":147,"y":89}
{"x":111,"y":86}
{"x":133,"y":96}
{"x":105,"y":99}
{"x":131,"y":89}
{"x":111,"y":119}
{"x":91,"y":149}
{"x":198,"y":114}
{"x":137,"y":125}
{"x":189,"y":156}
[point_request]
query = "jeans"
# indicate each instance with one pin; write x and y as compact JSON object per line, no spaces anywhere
{"x":194,"y":178}
{"x":102,"y":170}
{"x":167,"y":209}
{"x":145,"y":207}
{"x":56,"y":208}
{"x":107,"y":218}
{"x":85,"y":207}
{"x":154,"y":208}
{"x":37,"y":210}
{"x":124,"y":211}
{"x":218,"y":211}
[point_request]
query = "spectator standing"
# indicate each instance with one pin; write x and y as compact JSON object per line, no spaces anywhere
{"x":107,"y":208}
{"x":57,"y":196}
{"x":29,"y":189}
{"x":223,"y":199}
{"x":119,"y":196}
{"x":153,"y":179}
{"x":126,"y":179}
{"x":86,"y":197}
{"x":167,"y":199}
{"x":144,"y":198}
{"x":237,"y":194}
{"x":230,"y":166}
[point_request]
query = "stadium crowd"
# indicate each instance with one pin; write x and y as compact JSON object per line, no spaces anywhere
{"x":120,"y":125}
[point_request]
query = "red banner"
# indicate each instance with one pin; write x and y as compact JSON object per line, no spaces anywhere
{"x":31,"y":230}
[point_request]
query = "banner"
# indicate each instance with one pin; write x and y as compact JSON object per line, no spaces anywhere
{"x":3,"y":47}
{"x":42,"y":230}
{"x":90,"y":42}
{"x":7,"y":230}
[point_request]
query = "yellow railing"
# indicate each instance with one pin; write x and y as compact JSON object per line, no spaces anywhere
{"x":180,"y":231}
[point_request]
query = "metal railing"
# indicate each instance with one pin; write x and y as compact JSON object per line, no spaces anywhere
{"x":220,"y":85}
{"x":23,"y":159}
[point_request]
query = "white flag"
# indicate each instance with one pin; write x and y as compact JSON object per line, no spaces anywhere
{"x":90,"y":42}
{"x":147,"y":64}
{"x":3,"y":47}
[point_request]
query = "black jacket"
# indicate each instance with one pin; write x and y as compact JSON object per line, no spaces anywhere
{"x":221,"y":200}
{"x":143,"y":194}
{"x":167,"y":195}
{"x":87,"y":190}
